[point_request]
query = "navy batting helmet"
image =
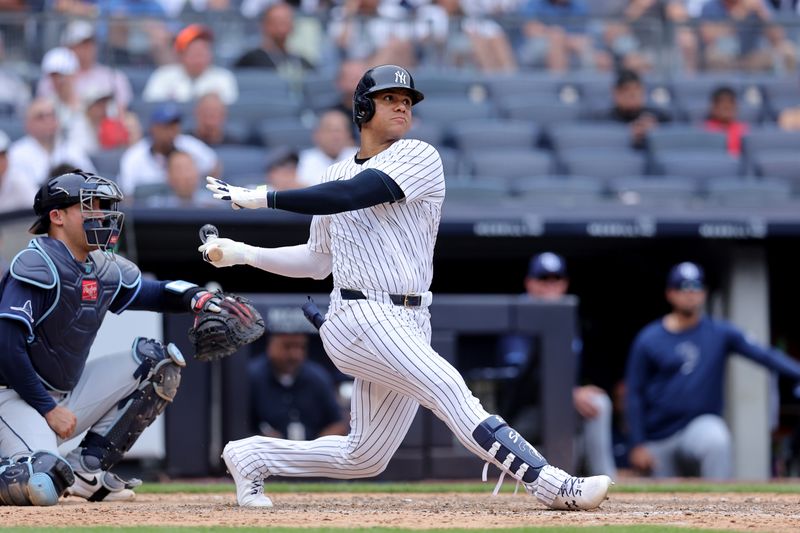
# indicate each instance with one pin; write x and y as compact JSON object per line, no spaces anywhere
{"x":377,"y":79}
{"x":102,"y":223}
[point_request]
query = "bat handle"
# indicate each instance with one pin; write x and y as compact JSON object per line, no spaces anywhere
{"x":208,"y":233}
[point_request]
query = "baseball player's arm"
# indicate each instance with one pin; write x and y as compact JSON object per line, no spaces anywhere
{"x":366,"y":189}
{"x":16,"y":370}
{"x":771,"y":358}
{"x":168,"y":297}
{"x":298,"y":261}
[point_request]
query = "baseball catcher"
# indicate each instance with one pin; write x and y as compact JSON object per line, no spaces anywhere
{"x":53,"y":300}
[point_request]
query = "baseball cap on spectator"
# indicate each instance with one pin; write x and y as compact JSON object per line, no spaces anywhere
{"x":686,"y":276}
{"x":281,"y":156}
{"x":190,"y":33}
{"x":547,"y":265}
{"x":166,"y":113}
{"x":626,"y":76}
{"x":95,"y":93}
{"x":60,"y":60}
{"x":76,"y":32}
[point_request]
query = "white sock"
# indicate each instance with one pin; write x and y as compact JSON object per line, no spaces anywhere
{"x":549,"y":483}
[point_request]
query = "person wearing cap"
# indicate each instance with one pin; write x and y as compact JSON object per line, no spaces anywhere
{"x":290,"y":395}
{"x":630,"y":107}
{"x":195,"y":74}
{"x":16,"y":192}
{"x":333,"y":142}
{"x":43,"y":148}
{"x":547,"y":280}
{"x":90,"y":76}
{"x":145,"y":162}
{"x":675,"y":382}
{"x":59,"y":65}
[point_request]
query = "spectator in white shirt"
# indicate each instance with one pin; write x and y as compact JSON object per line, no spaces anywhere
{"x":333,"y":142}
{"x":195,"y":74}
{"x":99,"y":127}
{"x":59,"y":65}
{"x":145,"y":163}
{"x":16,"y":193}
{"x":79,"y":36}
{"x":35,"y":154}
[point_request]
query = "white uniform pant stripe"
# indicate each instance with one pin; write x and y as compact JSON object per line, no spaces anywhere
{"x":387,"y":349}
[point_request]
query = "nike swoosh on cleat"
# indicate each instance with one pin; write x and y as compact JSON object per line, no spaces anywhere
{"x":91,"y":482}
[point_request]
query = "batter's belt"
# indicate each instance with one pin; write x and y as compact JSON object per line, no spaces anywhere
{"x":404,"y":300}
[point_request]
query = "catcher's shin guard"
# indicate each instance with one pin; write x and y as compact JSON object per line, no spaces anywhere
{"x":36,"y":480}
{"x":515,"y":455}
{"x":159,"y":373}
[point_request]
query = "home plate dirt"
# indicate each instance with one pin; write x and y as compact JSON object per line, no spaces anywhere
{"x":736,"y":512}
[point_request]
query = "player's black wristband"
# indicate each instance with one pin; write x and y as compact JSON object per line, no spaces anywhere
{"x":366,"y":189}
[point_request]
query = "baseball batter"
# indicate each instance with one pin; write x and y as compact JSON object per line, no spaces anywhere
{"x":375,"y":225}
{"x":52,"y":302}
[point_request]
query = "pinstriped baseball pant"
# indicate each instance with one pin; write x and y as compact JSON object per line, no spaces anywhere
{"x":387,"y":349}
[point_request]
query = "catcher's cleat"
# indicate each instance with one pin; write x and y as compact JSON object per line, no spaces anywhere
{"x":574,"y":494}
{"x":103,"y":486}
{"x":249,"y":492}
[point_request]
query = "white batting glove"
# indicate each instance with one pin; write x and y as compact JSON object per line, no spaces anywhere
{"x":222,"y":252}
{"x":239,"y":197}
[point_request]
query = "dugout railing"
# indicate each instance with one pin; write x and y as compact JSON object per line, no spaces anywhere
{"x":212,"y":406}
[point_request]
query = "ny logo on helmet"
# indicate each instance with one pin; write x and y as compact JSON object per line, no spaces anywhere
{"x":400,"y":77}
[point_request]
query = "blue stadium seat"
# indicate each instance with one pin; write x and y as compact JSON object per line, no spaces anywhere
{"x":138,"y":77}
{"x":285,"y":132}
{"x":13,"y":127}
{"x":473,"y":135}
{"x":449,"y":84}
{"x":601,"y":162}
{"x":562,"y":192}
{"x":698,"y":164}
{"x":429,"y":132}
{"x":468,"y":191}
{"x":240,"y":160}
{"x":259,"y":110}
{"x":510,"y":163}
{"x":539,"y":111}
{"x":771,"y":139}
{"x":589,"y":135}
{"x":737,"y":192}
{"x":685,"y":138}
{"x":784,"y":164}
{"x":544,"y":85}
{"x":652,"y":191}
{"x":262,"y":83}
{"x":451,"y":161}
{"x":319,"y":91}
{"x":106,"y":162}
{"x":445,"y":110}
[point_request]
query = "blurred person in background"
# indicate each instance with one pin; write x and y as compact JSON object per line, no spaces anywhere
{"x":16,"y":191}
{"x":277,"y":24}
{"x":80,"y":37}
{"x":182,"y":186}
{"x":59,"y":65}
{"x":195,"y":74}
{"x":630,"y":107}
{"x":15,"y":94}
{"x":291,"y":396}
{"x":675,"y":382}
{"x":42,"y":149}
{"x":281,"y":169}
{"x":211,"y":121}
{"x":723,"y":117}
{"x":333,"y":142}
{"x":145,"y":163}
{"x":99,"y":129}
{"x":547,"y":280}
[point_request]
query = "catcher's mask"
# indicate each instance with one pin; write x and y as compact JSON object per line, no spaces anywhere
{"x":102,"y":223}
{"x":375,"y":80}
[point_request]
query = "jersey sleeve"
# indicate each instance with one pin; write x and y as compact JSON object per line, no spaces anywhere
{"x":319,"y":236}
{"x":417,"y":168}
{"x":25,"y":304}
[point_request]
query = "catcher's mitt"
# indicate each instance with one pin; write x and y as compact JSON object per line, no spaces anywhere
{"x":216,"y":335}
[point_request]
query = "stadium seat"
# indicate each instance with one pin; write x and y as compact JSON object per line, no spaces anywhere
{"x":451,"y":161}
{"x":601,"y":162}
{"x":13,"y":127}
{"x":285,"y":132}
{"x":539,"y":111}
{"x":697,"y":164}
{"x":510,"y":163}
{"x":106,"y":162}
{"x":260,"y":110}
{"x":685,"y":138}
{"x":444,"y":110}
{"x":429,"y":132}
{"x":784,"y":164}
{"x":772,"y":139}
{"x":474,"y":135}
{"x":560,"y":191}
{"x":468,"y":191}
{"x":737,"y":192}
{"x":544,"y":85}
{"x":589,"y":135}
{"x":319,"y":91}
{"x":655,"y":191}
{"x":449,"y":84}
{"x":239,"y":160}
{"x":264,"y":83}
{"x":138,"y":77}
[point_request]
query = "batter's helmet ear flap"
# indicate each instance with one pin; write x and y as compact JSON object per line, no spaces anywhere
{"x":363,"y":109}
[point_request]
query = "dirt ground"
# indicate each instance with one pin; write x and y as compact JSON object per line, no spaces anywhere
{"x":736,"y":512}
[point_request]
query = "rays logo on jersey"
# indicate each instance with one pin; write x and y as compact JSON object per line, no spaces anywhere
{"x":26,"y":308}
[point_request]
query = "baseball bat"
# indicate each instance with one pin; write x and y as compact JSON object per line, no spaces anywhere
{"x":209,"y":232}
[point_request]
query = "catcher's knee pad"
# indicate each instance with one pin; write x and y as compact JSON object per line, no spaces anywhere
{"x":159,"y":374}
{"x":516,"y":455}
{"x":36,"y":480}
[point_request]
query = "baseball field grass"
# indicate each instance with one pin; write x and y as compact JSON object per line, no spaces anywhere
{"x":634,"y":506}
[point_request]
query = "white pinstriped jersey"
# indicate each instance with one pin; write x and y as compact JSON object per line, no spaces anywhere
{"x":388,"y":247}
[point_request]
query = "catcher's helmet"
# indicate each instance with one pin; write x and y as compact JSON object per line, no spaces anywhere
{"x":102,"y":225}
{"x":377,"y":79}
